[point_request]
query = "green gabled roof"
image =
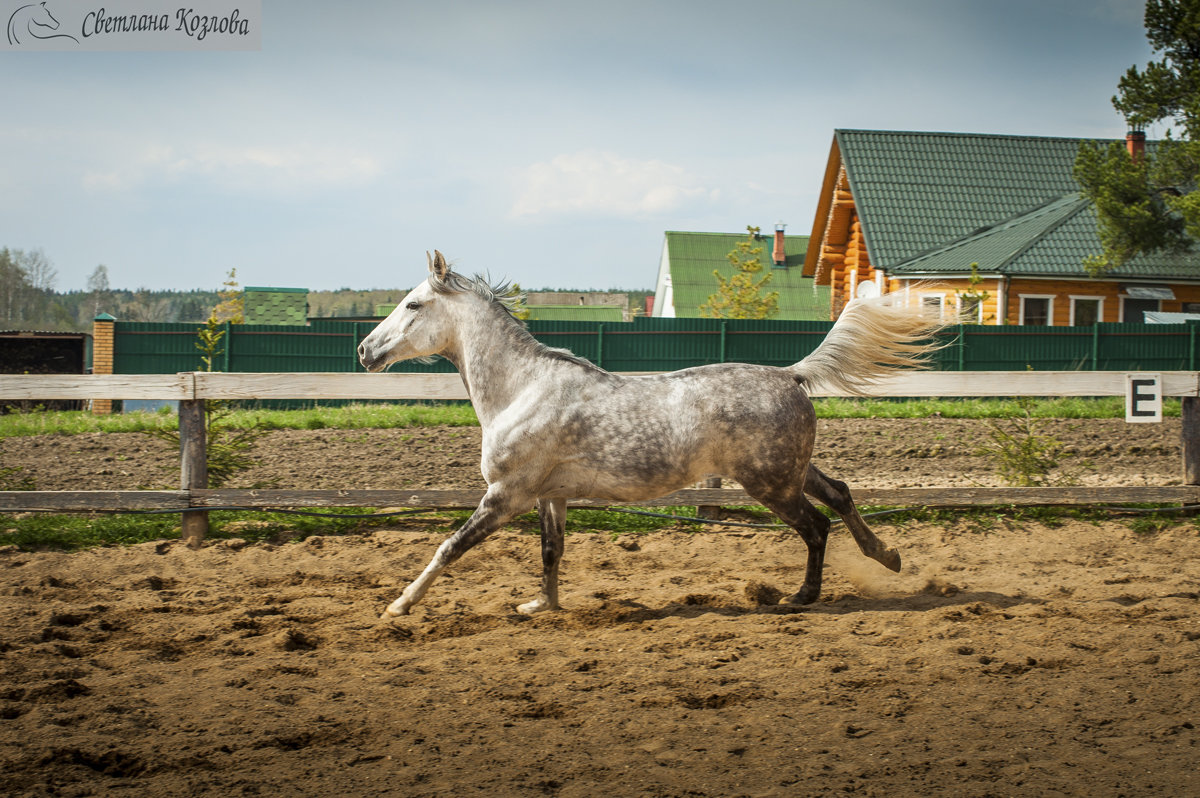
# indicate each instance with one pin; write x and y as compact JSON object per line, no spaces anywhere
{"x":263,"y":305}
{"x":998,"y":248}
{"x":575,"y":313}
{"x":1059,"y":254}
{"x":937,"y":202}
{"x":694,"y":256}
{"x":917,"y":191}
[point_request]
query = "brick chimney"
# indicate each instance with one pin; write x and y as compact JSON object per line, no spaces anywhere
{"x":777,"y":255}
{"x":1135,"y":142}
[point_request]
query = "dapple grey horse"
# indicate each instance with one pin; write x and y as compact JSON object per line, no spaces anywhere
{"x":557,"y":427}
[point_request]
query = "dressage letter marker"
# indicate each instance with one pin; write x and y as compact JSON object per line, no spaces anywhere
{"x":1143,"y":398}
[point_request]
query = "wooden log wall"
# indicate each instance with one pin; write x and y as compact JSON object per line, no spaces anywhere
{"x":952,"y":290}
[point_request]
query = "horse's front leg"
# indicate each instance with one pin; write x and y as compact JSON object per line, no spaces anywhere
{"x":498,"y":506}
{"x":552,"y":513}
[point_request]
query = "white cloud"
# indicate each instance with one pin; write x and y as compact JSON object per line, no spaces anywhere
{"x":240,"y":168}
{"x":603,"y":183}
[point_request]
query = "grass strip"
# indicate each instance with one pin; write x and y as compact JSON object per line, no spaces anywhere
{"x":373,"y":416}
{"x":54,"y":532}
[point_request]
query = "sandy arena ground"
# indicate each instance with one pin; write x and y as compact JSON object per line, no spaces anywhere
{"x":1009,"y":658}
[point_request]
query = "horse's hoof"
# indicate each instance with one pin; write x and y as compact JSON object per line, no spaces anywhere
{"x":389,"y":613}
{"x":803,"y":597}
{"x":535,"y":606}
{"x":890,"y":559}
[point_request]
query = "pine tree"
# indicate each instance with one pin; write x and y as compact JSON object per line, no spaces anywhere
{"x":742,"y":295}
{"x":1151,"y":203}
{"x":232,"y":307}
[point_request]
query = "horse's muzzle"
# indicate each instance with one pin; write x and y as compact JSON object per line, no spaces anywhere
{"x":369,"y":361}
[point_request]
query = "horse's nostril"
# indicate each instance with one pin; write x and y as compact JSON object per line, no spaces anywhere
{"x":362,"y":349}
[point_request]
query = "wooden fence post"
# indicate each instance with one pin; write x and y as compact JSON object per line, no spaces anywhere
{"x":710,"y":511}
{"x":1190,"y":438}
{"x":193,"y":470}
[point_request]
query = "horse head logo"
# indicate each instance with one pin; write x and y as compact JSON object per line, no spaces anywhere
{"x":34,"y":21}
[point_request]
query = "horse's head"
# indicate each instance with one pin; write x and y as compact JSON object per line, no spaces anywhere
{"x":420,"y":326}
{"x":41,"y":16}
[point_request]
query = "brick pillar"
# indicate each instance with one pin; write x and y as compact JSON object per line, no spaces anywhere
{"x":103,"y":327}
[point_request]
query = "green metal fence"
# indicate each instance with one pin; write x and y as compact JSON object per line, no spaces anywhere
{"x":653,"y":344}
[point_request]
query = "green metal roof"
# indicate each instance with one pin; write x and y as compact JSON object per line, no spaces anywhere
{"x":998,"y":247}
{"x":694,"y":256}
{"x":275,"y":305}
{"x":937,"y":202}
{"x":575,"y":313}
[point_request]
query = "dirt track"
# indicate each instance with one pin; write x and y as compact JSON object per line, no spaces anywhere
{"x":1008,"y":658}
{"x":881,"y":453}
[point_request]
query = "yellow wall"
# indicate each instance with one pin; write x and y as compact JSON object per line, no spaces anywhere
{"x":1061,"y":291}
{"x":952,"y":291}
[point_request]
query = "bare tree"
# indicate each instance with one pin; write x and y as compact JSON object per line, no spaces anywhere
{"x":144,"y":306}
{"x":26,"y":286}
{"x":40,"y":273}
{"x":13,"y":286}
{"x":98,"y":287}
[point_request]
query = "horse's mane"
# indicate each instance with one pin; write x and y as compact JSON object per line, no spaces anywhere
{"x":506,"y":297}
{"x":505,"y":294}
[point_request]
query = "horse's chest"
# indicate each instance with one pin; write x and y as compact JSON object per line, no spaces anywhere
{"x":505,"y":456}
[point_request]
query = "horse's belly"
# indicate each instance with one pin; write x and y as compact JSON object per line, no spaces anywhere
{"x":586,"y":483}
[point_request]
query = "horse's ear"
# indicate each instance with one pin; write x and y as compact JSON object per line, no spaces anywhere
{"x":438,"y":265}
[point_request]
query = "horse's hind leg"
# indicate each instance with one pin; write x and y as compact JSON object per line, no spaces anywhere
{"x":552,"y":513}
{"x":836,"y":496}
{"x":800,"y":514}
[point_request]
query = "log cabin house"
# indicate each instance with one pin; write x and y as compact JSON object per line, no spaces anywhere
{"x":989,"y":228}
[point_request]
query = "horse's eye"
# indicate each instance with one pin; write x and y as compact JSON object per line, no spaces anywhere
{"x":413,"y":306}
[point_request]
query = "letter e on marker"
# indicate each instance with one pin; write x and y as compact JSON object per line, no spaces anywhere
{"x":1143,"y":398}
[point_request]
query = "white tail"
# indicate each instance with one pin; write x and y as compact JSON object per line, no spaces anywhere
{"x":870,"y":340}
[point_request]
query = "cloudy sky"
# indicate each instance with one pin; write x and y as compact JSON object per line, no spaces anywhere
{"x":551,"y":143}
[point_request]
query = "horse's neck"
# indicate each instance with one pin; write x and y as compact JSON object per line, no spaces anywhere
{"x":497,"y":361}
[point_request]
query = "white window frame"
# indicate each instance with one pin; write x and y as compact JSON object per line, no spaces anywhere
{"x":1049,"y":307}
{"x":1087,"y":297}
{"x":941,"y":300}
{"x":978,"y":310}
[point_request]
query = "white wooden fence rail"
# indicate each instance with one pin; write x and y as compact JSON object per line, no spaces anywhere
{"x":221,"y":385}
{"x":190,"y":389}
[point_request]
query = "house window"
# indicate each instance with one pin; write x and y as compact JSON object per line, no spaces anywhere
{"x":1036,"y":310}
{"x":1086,"y":311}
{"x":1132,"y":308}
{"x":931,"y":305}
{"x":970,"y":310}
{"x":1191,"y":307}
